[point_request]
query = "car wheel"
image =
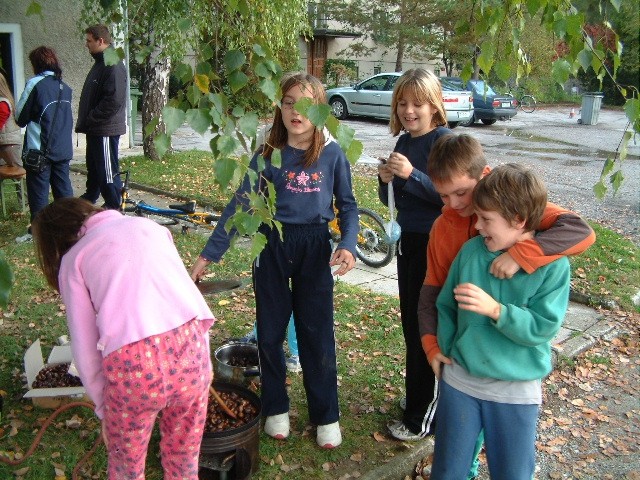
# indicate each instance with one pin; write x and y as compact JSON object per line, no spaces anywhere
{"x":488,"y":121}
{"x":339,"y":108}
{"x":469,"y":122}
{"x":453,"y":124}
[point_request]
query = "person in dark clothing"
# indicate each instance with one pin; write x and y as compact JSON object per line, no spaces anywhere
{"x":43,"y":95}
{"x":102,"y":117}
{"x":417,"y":108}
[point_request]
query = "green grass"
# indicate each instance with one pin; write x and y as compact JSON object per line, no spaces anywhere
{"x":368,"y":334}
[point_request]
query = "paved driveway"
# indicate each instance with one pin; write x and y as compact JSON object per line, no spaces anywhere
{"x":568,"y":155}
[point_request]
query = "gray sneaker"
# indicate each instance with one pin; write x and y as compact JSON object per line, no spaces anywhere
{"x":24,"y":238}
{"x":293,"y":364}
{"x":403,"y":403}
{"x":399,"y":431}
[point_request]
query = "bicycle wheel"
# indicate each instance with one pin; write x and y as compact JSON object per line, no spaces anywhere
{"x":371,"y":247}
{"x":528,"y":103}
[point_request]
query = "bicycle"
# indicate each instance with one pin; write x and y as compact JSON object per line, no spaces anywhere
{"x":371,"y":248}
{"x":527,"y":103}
{"x":184,"y":214}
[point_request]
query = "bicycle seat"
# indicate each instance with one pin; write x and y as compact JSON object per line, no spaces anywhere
{"x":189,"y":207}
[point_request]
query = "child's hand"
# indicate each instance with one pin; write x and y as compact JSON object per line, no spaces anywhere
{"x":386,"y":175}
{"x":474,"y":299}
{"x":105,"y":439}
{"x":343,"y":258}
{"x":399,"y":165}
{"x":198,"y":269}
{"x":504,"y":266}
{"x":436,"y":364}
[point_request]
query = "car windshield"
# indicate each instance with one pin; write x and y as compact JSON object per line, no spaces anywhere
{"x":479,"y":87}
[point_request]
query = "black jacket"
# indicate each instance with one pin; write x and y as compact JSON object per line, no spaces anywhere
{"x":103,"y":104}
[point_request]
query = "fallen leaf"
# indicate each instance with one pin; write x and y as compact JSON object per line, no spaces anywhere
{"x":379,"y":437}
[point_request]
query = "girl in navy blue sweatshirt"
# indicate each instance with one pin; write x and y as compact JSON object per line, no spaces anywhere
{"x":293,"y":273}
{"x":417,"y":108}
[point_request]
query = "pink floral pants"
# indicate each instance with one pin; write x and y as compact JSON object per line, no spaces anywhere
{"x":167,"y":374}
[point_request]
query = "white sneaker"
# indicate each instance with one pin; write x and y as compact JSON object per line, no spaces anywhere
{"x":399,"y":431}
{"x":277,"y":426}
{"x":293,"y":364}
{"x":329,"y":436}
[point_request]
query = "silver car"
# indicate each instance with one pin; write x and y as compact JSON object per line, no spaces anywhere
{"x":370,"y":98}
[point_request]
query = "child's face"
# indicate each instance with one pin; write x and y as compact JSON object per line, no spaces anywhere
{"x":415,"y":117}
{"x":498,"y":232}
{"x":298,"y":127}
{"x":457,"y":193}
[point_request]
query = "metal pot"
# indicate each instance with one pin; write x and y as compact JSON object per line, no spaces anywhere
{"x":237,"y":352}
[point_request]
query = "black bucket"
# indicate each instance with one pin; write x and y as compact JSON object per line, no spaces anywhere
{"x":232,"y":454}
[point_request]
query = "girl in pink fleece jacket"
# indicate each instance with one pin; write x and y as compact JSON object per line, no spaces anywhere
{"x":139,"y":331}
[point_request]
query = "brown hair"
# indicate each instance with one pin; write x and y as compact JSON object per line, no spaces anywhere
{"x":5,"y":91}
{"x":515,"y":192}
{"x":279,"y":135}
{"x":99,"y":31}
{"x":43,"y":59}
{"x":426,"y":88}
{"x":455,"y":155}
{"x":55,"y":230}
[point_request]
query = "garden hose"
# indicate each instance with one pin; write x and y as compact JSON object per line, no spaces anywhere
{"x":45,"y":425}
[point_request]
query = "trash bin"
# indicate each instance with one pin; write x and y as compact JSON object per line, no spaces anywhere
{"x":591,"y":102}
{"x":135,"y":95}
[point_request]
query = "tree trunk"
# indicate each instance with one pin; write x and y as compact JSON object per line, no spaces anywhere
{"x":155,"y":93}
{"x":400,"y":53}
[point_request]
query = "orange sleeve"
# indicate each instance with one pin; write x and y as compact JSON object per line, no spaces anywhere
{"x":561,"y":233}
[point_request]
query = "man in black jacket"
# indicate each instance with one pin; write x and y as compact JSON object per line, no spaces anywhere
{"x":102,"y":117}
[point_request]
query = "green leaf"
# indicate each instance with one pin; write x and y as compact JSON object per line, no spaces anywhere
{"x":224,"y":169}
{"x":226,"y":145}
{"x":318,"y":114}
{"x":150,"y":127}
{"x":485,"y":59}
{"x":162,"y":143}
{"x":616,"y":180}
{"x":193,"y":94}
{"x":113,"y":55}
{"x":269,"y":88}
{"x":600,"y":190}
{"x":632,"y":110}
{"x":184,"y":24}
{"x":199,"y":120}
{"x":616,"y":4}
{"x":276,"y":158}
{"x":533,"y":6}
{"x":184,"y":72}
{"x":354,"y":152}
{"x":258,"y":242}
{"x":344,"y":135}
{"x":503,"y":70}
{"x":560,"y":71}
{"x":574,"y":24}
{"x":584,"y":58}
{"x":34,"y":8}
{"x":259,"y":50}
{"x":248,"y":124}
{"x":607,"y":168}
{"x":6,"y":281}
{"x":173,"y":118}
{"x":233,"y":60}
{"x":237,"y":81}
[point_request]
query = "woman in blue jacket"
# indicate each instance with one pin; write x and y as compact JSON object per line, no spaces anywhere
{"x":46,"y":96}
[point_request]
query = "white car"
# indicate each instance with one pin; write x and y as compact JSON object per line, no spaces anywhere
{"x":372,"y":98}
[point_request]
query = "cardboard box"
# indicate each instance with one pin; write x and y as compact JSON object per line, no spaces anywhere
{"x":49,"y":397}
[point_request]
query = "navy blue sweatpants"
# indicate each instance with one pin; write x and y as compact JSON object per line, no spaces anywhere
{"x":102,"y":169}
{"x":294,"y":275}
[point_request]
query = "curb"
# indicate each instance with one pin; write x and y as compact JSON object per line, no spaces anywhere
{"x":402,"y":465}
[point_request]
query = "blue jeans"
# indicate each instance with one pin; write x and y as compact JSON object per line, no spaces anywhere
{"x":292,"y":338}
{"x":509,"y":436}
{"x":55,"y":174}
